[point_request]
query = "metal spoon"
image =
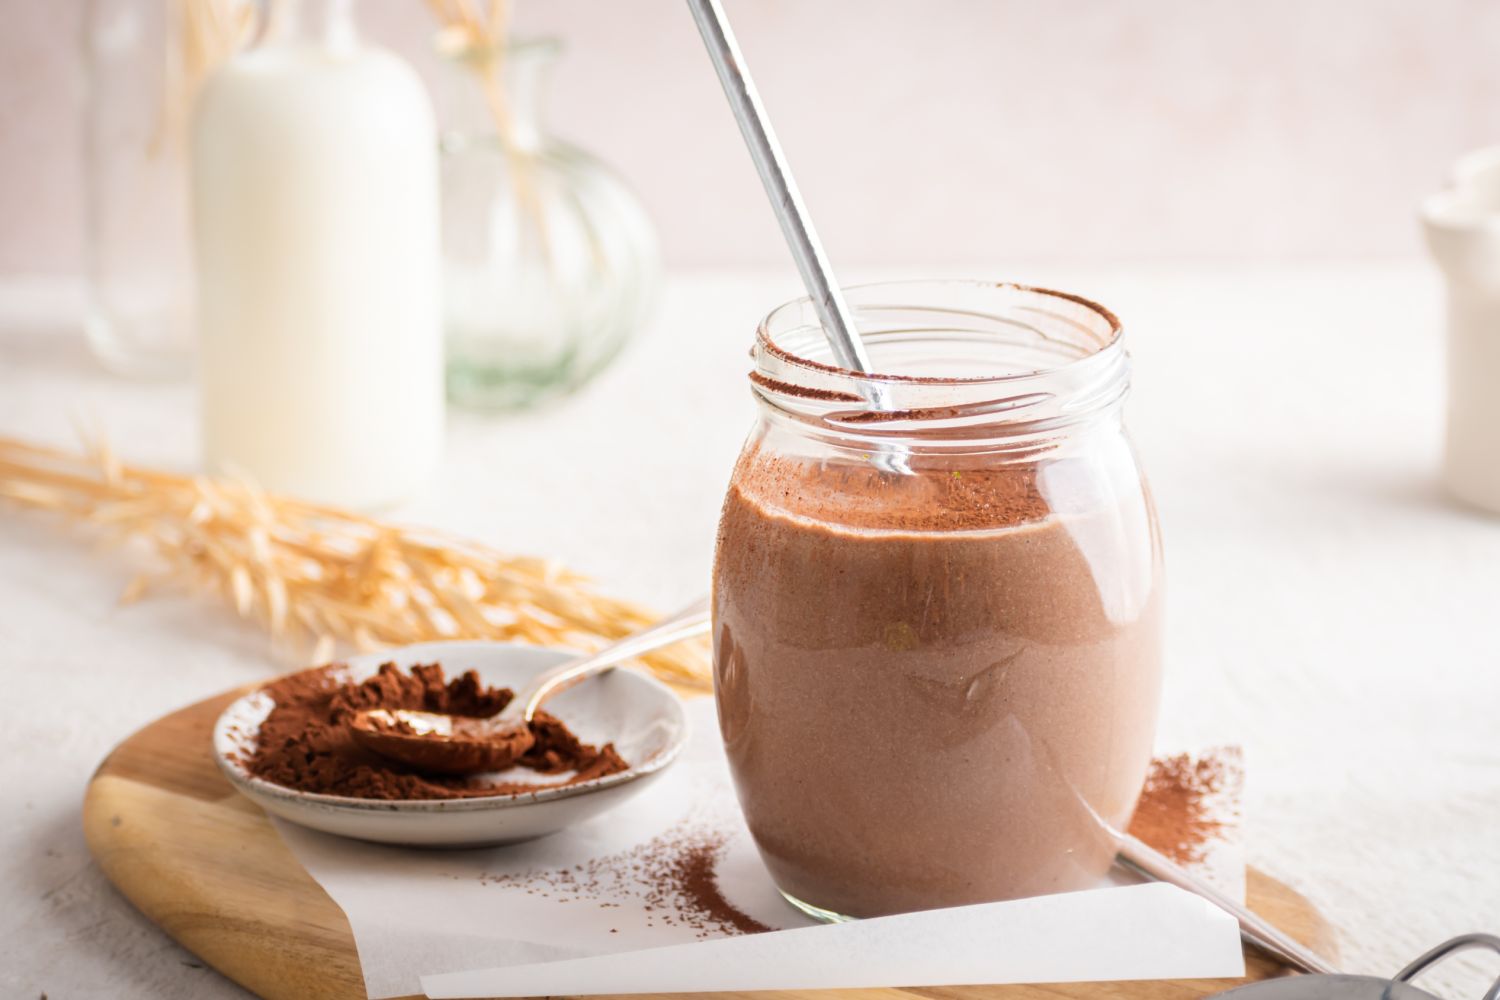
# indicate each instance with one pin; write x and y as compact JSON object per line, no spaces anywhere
{"x":1324,"y":981}
{"x":438,"y":743}
{"x":1147,"y":861}
{"x":1136,"y":855}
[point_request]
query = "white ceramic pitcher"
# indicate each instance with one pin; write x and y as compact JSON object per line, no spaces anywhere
{"x":1462,"y":224}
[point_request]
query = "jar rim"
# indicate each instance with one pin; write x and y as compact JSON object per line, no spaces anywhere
{"x":1105,"y":341}
{"x":1043,"y":364}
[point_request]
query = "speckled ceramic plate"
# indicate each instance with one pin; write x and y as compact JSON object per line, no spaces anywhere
{"x":639,"y":715}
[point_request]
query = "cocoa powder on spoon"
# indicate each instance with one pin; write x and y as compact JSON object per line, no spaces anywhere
{"x":304,"y":743}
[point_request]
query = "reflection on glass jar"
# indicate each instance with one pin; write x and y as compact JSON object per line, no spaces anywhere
{"x":938,"y":627}
{"x":144,"y":61}
{"x":550,"y":261}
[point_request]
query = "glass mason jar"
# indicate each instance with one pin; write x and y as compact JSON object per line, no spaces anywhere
{"x":550,"y":261}
{"x":937,"y":625}
{"x":144,"y":61}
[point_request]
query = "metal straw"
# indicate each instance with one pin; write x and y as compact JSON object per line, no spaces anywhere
{"x":770,"y":162}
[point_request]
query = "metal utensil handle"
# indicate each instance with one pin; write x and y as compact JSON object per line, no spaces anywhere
{"x":776,"y":175}
{"x":1253,"y":928}
{"x":690,"y":621}
{"x":1461,"y":943}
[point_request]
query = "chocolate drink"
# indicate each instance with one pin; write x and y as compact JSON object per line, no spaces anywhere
{"x":927,"y":681}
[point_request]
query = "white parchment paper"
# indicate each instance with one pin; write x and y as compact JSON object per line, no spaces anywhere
{"x":584,"y":912}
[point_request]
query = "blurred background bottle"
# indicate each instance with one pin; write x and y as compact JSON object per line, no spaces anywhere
{"x":144,"y":61}
{"x":1462,"y":226}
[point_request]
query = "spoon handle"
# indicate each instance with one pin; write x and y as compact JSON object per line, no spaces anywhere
{"x":1253,"y":928}
{"x":690,"y":621}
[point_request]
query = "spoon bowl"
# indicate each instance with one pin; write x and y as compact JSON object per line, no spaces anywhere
{"x":438,"y":743}
{"x":435,"y":743}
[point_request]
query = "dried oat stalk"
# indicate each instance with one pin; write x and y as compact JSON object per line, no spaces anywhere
{"x":475,"y":33}
{"x":322,"y":580}
{"x":201,"y":36}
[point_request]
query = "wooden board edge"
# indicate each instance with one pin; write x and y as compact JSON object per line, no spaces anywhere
{"x":262,"y":956}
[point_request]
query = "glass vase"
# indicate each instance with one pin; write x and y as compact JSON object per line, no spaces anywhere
{"x":550,"y":262}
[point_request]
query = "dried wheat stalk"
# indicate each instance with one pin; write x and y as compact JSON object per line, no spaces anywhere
{"x":322,"y":579}
{"x":201,"y":36}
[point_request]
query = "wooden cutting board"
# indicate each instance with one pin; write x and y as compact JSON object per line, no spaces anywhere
{"x":206,"y":865}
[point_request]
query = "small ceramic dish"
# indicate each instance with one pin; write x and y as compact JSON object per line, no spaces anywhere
{"x":639,"y":715}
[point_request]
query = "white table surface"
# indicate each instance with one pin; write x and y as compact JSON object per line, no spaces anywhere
{"x":1328,"y":608}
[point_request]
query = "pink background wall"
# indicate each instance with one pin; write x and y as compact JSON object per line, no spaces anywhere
{"x":965,"y":132}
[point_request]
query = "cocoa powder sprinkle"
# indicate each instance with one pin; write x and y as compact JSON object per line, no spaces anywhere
{"x":1175,"y":814}
{"x":673,"y":876}
{"x":691,"y":875}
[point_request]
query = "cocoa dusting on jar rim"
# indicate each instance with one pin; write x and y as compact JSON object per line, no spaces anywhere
{"x":304,"y":743}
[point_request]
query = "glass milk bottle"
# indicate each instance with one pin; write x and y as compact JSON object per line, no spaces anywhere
{"x":315,"y":200}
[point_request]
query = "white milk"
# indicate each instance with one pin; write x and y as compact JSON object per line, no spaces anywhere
{"x":315,"y":196}
{"x":1463,"y":233}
